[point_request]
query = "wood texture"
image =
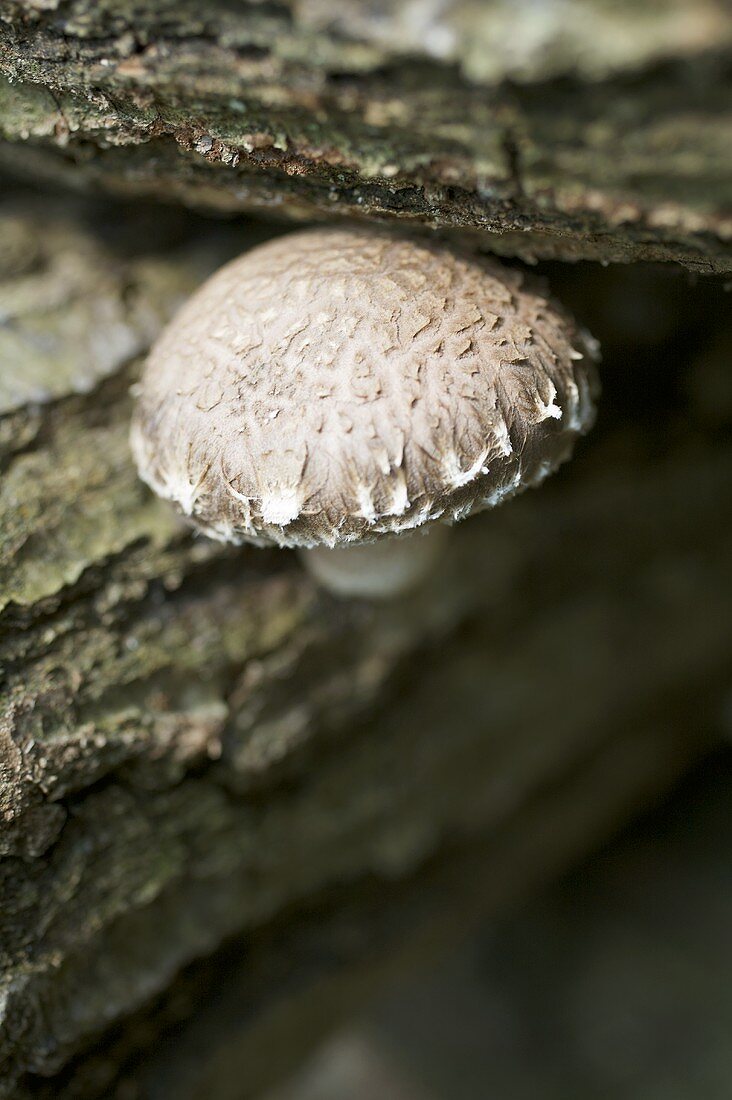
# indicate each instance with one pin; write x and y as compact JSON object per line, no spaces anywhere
{"x":196,"y":746}
{"x":597,"y":130}
{"x":194,"y":741}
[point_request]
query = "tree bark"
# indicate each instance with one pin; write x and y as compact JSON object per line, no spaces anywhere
{"x":606,"y":136}
{"x":198,"y":747}
{"x":194,"y":740}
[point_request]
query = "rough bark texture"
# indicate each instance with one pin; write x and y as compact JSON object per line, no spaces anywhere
{"x":195,"y":743}
{"x":595,"y":130}
{"x":237,"y":1023}
{"x":194,"y":740}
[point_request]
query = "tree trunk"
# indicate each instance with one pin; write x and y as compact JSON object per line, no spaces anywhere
{"x":197,"y":746}
{"x":606,"y":136}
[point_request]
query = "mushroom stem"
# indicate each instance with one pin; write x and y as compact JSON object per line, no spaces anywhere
{"x":378,"y":570}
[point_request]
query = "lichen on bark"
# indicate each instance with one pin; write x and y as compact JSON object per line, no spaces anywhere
{"x":196,"y":743}
{"x":277,"y":107}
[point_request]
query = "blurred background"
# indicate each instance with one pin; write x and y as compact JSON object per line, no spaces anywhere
{"x":613,"y":983}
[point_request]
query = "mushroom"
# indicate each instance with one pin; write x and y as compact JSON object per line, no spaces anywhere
{"x":351,"y":392}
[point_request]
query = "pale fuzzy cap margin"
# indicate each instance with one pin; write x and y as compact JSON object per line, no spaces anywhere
{"x":337,"y":385}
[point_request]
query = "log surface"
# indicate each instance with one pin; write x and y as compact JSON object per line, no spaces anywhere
{"x":600,"y":131}
{"x":194,"y":741}
{"x":195,"y":744}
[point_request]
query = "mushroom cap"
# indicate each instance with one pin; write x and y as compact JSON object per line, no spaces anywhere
{"x":336,"y":385}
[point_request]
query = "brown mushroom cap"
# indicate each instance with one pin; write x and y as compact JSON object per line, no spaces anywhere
{"x":336,"y":385}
